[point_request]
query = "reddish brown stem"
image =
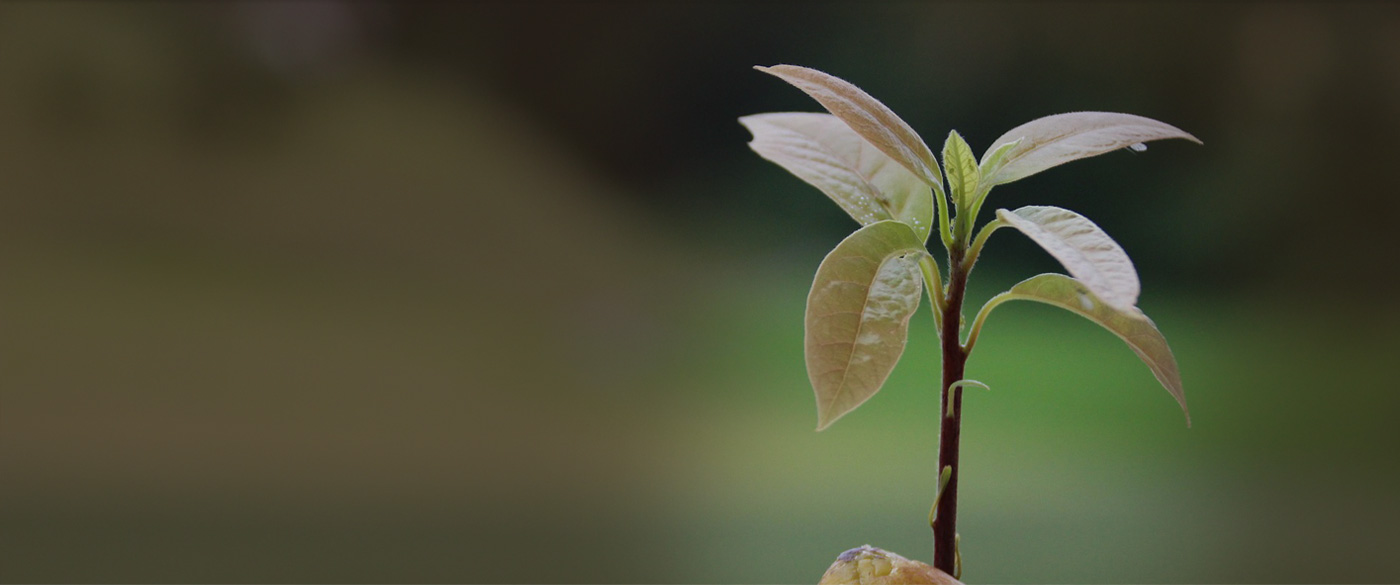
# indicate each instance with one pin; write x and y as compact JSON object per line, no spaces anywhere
{"x":954,"y":362}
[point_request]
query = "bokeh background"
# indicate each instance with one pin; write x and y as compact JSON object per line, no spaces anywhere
{"x":465,"y":292}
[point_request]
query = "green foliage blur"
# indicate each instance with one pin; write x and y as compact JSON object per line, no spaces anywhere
{"x":495,"y":292}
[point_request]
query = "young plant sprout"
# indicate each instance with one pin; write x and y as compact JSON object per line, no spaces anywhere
{"x":880,"y":171}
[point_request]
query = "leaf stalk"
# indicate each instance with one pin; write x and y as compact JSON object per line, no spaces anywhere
{"x":976,"y":250}
{"x":934,"y":288}
{"x":981,"y":318}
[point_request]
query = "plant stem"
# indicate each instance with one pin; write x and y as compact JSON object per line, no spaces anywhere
{"x":954,"y":362}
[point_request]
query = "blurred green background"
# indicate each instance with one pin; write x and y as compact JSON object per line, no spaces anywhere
{"x":477,"y":292}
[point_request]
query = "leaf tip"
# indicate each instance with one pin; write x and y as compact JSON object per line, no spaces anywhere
{"x":1186,"y":135}
{"x":827,"y":416}
{"x":747,"y":123}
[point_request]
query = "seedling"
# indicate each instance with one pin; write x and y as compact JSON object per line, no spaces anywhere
{"x":881,"y":172}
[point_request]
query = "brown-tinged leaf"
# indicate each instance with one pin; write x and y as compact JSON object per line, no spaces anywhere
{"x":867,"y":116}
{"x":1085,"y":250}
{"x":1058,"y":139}
{"x":1131,"y":325}
{"x":827,"y":154}
{"x":858,"y":314}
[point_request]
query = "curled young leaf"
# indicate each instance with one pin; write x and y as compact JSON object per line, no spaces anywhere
{"x":867,"y":116}
{"x":1130,"y":325}
{"x":858,"y":314}
{"x":960,"y":167}
{"x":827,"y":154}
{"x":1058,"y":139}
{"x":994,"y":157}
{"x":1084,"y":249}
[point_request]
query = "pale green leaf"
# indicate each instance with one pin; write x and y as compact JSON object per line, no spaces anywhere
{"x":1058,"y":139}
{"x":858,"y":315}
{"x":1085,"y":251}
{"x":993,"y":158}
{"x":826,"y":153}
{"x":1130,"y":325}
{"x":991,"y":161}
{"x":960,"y":168}
{"x":867,"y":116}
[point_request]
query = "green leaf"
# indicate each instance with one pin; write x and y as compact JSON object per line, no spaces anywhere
{"x":991,"y":161}
{"x":960,"y":167}
{"x":823,"y":151}
{"x":994,"y":158}
{"x":1061,"y":138}
{"x":1130,"y":325}
{"x":858,"y":315}
{"x":1085,"y":251}
{"x":867,"y":116}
